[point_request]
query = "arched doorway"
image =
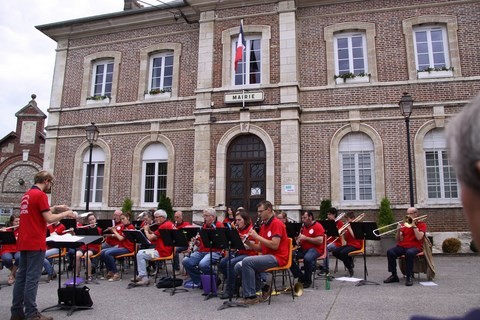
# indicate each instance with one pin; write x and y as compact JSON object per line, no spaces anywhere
{"x":246,"y":173}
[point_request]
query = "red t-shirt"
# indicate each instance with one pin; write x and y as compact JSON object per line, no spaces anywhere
{"x":33,"y":227}
{"x":163,"y":251}
{"x":409,"y":239}
{"x":276,"y":228}
{"x":125,"y":243}
{"x":313,"y":231}
{"x":351,"y":241}
{"x":113,"y":241}
{"x":10,"y":248}
{"x":243,"y":232}
{"x":182,"y":225}
{"x":201,"y":247}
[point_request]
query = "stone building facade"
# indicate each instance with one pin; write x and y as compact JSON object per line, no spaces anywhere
{"x":321,"y":117}
{"x":21,"y":156}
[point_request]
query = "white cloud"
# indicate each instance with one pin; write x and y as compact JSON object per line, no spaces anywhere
{"x":28,"y":56}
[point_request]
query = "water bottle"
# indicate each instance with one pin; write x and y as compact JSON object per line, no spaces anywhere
{"x":327,"y":282}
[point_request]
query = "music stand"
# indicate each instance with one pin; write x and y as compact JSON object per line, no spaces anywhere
{"x":137,"y":224}
{"x":7,"y":237}
{"x":105,"y":223}
{"x":73,"y":242}
{"x":364,"y":231}
{"x":330,"y":228}
{"x":234,"y":242}
{"x":173,"y":238}
{"x":137,"y":237}
{"x":69,"y":224}
{"x":293,"y":229}
{"x":213,"y":238}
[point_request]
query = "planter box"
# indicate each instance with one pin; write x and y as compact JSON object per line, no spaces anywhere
{"x":98,"y":102}
{"x":434,"y":74}
{"x":357,"y":79}
{"x":159,"y":96}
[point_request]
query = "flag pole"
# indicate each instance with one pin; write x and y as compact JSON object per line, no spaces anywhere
{"x":244,"y":69}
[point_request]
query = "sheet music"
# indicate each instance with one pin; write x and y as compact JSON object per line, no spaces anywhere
{"x":64,"y":238}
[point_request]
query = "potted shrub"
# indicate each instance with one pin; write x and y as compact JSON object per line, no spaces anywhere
{"x":166,"y":204}
{"x":451,"y":245}
{"x":386,"y":218}
{"x":325,"y":205}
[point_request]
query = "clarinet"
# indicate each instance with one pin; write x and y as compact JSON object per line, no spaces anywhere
{"x":258,"y":224}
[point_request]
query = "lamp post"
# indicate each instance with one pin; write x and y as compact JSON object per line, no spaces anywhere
{"x":92,"y":135}
{"x":406,"y":107}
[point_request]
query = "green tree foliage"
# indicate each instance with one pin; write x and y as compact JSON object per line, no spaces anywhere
{"x":385,"y":216}
{"x":166,"y":204}
{"x":325,"y":205}
{"x":127,"y":207}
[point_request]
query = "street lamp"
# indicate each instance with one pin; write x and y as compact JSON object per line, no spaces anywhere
{"x":406,"y":107}
{"x":92,"y":135}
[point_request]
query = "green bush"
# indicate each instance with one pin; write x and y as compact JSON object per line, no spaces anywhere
{"x":451,"y":245}
{"x":166,"y":204}
{"x":127,"y":207}
{"x":385,"y":215}
{"x":325,"y":205}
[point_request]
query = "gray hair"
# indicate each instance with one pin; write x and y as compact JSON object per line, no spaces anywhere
{"x":463,"y":137}
{"x":160,"y":213}
{"x":210,"y":211}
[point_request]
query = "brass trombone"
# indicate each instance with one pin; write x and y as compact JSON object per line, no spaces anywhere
{"x":407,"y":222}
{"x":342,"y":230}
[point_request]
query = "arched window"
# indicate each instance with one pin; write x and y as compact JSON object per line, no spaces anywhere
{"x":154,"y":173}
{"x":97,"y":175}
{"x":441,"y":180}
{"x":356,"y":155}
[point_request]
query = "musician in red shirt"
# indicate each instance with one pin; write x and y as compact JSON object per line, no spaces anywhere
{"x":35,"y":212}
{"x":409,"y":243}
{"x":179,"y":224}
{"x":243,"y":225}
{"x":110,"y":239}
{"x":350,"y":244}
{"x":124,"y":246}
{"x":160,"y":249}
{"x":310,"y":242}
{"x":92,"y":248}
{"x":9,"y":252}
{"x":332,"y":242}
{"x":273,"y":243}
{"x":199,"y":261}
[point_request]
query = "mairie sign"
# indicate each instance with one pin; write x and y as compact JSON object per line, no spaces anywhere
{"x":239,"y":97}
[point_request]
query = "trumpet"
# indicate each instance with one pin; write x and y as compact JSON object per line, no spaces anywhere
{"x":407,"y":222}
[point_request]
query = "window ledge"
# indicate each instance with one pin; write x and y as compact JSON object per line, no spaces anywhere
{"x":434,"y":74}
{"x":98,"y":102}
{"x":158,"y":96}
{"x":357,"y":79}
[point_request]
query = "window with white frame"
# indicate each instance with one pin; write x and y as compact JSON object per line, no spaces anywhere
{"x":161,"y":72}
{"x":102,"y":78}
{"x":249,"y":68}
{"x":154,"y":173}
{"x":350,"y":54}
{"x":431,"y":48}
{"x":97,"y":175}
{"x":357,"y":168}
{"x":441,"y":181}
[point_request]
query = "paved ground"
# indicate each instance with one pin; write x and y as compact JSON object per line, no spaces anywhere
{"x":456,"y":292}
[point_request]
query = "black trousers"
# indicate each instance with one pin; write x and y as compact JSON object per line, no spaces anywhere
{"x":395,"y":252}
{"x":342,"y":254}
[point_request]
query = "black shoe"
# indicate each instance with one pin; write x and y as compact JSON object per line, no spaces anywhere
{"x":391,"y":279}
{"x":409,"y":281}
{"x":350,"y":272}
{"x":224,"y":295}
{"x":307,"y":284}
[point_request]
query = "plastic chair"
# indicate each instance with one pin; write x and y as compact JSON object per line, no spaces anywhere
{"x":285,"y":268}
{"x":359,"y":252}
{"x":160,"y":260}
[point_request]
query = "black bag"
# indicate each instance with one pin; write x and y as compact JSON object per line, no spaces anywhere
{"x":167,"y":282}
{"x":82,"y":296}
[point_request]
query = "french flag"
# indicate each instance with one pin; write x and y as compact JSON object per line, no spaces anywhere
{"x":240,"y":46}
